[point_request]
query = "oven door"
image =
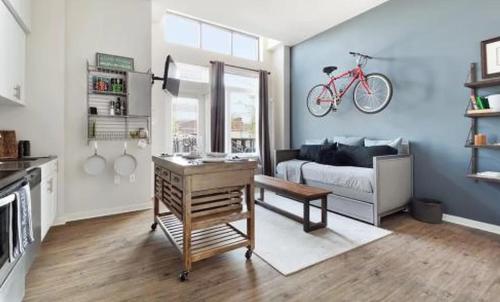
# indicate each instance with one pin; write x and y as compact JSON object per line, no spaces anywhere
{"x":5,"y":240}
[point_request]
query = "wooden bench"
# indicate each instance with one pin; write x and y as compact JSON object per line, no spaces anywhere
{"x":298,"y":192}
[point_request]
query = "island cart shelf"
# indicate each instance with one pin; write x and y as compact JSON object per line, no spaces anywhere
{"x":202,"y":200}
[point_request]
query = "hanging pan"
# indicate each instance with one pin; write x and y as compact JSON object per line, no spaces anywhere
{"x":126,"y":164}
{"x":95,"y":164}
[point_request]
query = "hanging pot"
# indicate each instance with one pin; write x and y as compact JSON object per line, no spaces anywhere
{"x":95,"y":164}
{"x":126,"y":164}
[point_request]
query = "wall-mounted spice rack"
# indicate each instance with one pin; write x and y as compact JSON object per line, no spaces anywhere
{"x":108,"y":105}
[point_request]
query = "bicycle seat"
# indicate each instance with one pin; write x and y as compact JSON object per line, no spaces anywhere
{"x":329,"y":69}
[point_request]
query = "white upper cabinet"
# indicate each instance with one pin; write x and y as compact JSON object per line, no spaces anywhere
{"x":12,"y":59}
{"x":21,"y":10}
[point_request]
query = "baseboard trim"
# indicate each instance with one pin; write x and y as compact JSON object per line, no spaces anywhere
{"x":102,"y":212}
{"x":483,"y":226}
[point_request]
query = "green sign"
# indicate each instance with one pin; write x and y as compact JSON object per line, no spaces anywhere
{"x":114,"y":62}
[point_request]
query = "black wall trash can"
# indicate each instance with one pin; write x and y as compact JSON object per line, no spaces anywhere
{"x":427,"y":210}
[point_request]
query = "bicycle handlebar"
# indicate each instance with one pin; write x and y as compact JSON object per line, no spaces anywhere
{"x":360,"y":54}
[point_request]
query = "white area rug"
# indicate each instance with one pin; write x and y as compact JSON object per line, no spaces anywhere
{"x":283,"y":244}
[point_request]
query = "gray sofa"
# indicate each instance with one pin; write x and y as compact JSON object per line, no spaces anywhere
{"x":366,"y":194}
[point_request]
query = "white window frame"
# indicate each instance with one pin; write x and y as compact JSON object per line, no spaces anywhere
{"x":227,"y":139}
{"x":200,"y":44}
{"x":201,"y":123}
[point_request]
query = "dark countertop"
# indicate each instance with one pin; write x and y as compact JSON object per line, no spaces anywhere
{"x":14,"y":169}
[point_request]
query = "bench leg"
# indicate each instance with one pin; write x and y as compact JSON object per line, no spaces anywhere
{"x":324,"y":212}
{"x":262,"y":194}
{"x":307,"y":221}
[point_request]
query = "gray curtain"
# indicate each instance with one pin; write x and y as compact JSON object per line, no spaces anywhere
{"x":264,"y":145}
{"x":218,"y":106}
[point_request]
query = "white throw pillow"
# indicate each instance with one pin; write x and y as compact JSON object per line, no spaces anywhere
{"x":320,"y":141}
{"x":348,"y":140}
{"x":394,"y":143}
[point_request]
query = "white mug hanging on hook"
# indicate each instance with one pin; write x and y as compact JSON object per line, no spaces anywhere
{"x":126,"y":164}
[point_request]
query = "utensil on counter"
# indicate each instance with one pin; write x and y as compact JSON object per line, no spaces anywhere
{"x":8,"y":144}
{"x":126,"y":164}
{"x":24,"y":149}
{"x":95,"y":164}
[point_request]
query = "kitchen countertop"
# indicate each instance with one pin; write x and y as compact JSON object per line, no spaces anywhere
{"x":14,"y":169}
{"x":183,"y":166}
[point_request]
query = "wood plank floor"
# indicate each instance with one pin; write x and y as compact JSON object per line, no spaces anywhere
{"x":118,"y":259}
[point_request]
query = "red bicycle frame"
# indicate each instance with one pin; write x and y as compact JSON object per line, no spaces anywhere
{"x":356,"y":74}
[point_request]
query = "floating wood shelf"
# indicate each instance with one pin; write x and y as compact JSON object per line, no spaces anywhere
{"x":483,"y":83}
{"x":474,"y":85}
{"x":483,"y":146}
{"x":486,"y":113}
{"x":484,"y":178}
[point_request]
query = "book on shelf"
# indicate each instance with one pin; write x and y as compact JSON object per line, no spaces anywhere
{"x":482,"y":102}
{"x":473,"y":102}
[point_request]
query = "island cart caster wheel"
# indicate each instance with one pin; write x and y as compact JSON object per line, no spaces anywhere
{"x":153,"y":226}
{"x":183,"y":276}
{"x":248,"y":254}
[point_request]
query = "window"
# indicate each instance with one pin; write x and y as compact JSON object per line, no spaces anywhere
{"x":245,"y":47}
{"x":180,"y":30}
{"x":215,"y":39}
{"x":193,"y":33}
{"x":241,"y":111}
{"x":185,"y":116}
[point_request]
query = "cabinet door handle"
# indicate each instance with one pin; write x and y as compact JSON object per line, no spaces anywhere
{"x":17,"y":91}
{"x":50,"y":185}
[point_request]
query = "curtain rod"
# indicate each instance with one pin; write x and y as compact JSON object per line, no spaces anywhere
{"x":240,"y":67}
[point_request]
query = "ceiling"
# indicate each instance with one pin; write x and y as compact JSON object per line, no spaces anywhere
{"x":289,"y":21}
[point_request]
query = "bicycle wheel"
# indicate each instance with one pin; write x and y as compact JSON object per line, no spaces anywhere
{"x":378,"y":96}
{"x":314,"y":105}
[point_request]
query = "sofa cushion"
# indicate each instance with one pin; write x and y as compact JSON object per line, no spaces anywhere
{"x":360,"y":156}
{"x":331,"y":157}
{"x":348,"y":140}
{"x":354,"y":178}
{"x":312,"y":152}
{"x":394,"y":143}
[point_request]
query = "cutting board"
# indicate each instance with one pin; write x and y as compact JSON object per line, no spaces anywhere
{"x":8,"y":144}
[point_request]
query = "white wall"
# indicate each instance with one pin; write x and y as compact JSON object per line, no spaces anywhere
{"x":121,"y":27}
{"x":42,"y":120}
{"x":281,"y":95}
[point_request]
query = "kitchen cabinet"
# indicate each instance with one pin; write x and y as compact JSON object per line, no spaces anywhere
{"x":48,"y":195}
{"x":21,"y":10}
{"x":12,"y":59}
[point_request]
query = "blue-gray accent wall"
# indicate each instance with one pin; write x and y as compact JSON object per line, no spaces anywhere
{"x":425,"y":48}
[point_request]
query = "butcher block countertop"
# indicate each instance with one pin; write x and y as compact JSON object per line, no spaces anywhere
{"x":183,"y":166}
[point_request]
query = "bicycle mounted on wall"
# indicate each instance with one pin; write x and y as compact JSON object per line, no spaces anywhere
{"x":372,"y":92}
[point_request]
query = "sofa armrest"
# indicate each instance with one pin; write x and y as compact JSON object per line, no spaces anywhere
{"x":393,"y":183}
{"x":284,"y":155}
